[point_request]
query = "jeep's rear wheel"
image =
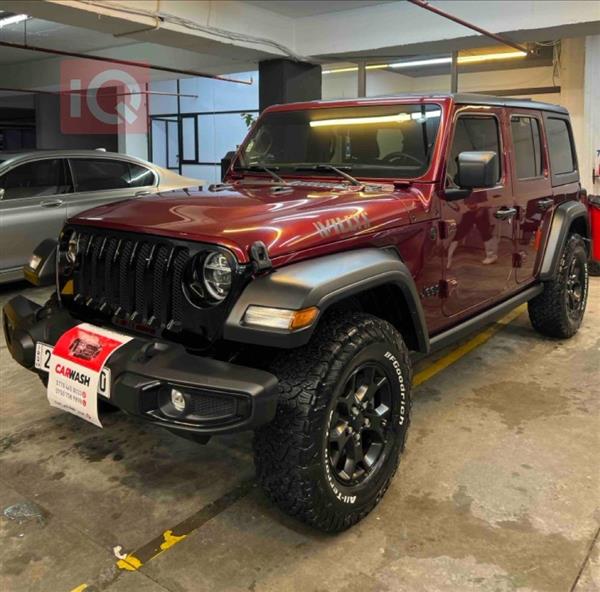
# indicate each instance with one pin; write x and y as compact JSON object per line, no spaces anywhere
{"x":341,"y":423}
{"x":559,"y":309}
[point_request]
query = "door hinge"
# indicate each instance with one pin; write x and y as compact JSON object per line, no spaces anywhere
{"x":447,"y":228}
{"x":447,"y":287}
{"x":519,"y":258}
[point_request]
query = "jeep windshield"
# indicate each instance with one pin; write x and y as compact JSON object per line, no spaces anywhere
{"x":389,"y":141}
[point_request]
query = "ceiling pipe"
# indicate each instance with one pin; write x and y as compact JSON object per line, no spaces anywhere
{"x":33,"y":91}
{"x":427,"y":6}
{"x":130,"y":63}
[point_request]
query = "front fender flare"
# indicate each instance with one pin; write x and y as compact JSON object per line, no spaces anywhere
{"x":322,"y":282}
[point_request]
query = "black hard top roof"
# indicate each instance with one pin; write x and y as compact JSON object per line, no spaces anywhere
{"x":477,"y":99}
{"x":460,"y":98}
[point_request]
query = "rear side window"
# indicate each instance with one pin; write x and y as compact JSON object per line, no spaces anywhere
{"x":562,"y":155}
{"x":140,"y":176}
{"x":98,"y":174}
{"x":474,"y":133}
{"x":526,"y":141}
{"x":35,"y":179}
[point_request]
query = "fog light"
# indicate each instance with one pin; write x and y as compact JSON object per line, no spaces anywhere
{"x":35,"y":261}
{"x":178,"y":400}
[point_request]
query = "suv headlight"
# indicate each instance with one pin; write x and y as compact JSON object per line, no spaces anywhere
{"x":216,"y":275}
{"x":208,"y":278}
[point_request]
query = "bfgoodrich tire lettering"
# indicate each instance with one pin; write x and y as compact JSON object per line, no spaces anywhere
{"x":558,"y":311}
{"x":299,"y":461}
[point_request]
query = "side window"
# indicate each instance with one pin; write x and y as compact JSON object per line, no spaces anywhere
{"x":559,"y":146}
{"x":140,"y":176}
{"x":97,"y":174}
{"x":35,"y":179}
{"x":474,"y":133}
{"x":526,"y":141}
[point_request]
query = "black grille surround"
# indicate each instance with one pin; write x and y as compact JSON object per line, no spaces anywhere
{"x":136,"y":281}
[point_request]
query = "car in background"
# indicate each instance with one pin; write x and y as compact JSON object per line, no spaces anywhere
{"x":40,"y":190}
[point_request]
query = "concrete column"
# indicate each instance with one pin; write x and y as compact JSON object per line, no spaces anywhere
{"x":572,"y":74}
{"x":50,"y":136}
{"x":286,"y":81}
{"x":591,"y":110}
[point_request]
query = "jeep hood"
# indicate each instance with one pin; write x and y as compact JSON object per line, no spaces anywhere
{"x":286,"y":221}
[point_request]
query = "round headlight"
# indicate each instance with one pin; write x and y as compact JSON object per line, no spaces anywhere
{"x":217,"y":276}
{"x":73,"y":247}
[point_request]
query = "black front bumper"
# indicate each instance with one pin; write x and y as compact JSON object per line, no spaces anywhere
{"x":220,"y":397}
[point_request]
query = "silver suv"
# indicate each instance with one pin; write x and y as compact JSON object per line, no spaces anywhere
{"x":40,"y":190}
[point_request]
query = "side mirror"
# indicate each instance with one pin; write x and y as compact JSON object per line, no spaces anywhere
{"x":226,"y":163}
{"x":41,"y":269}
{"x":1,"y":193}
{"x":477,"y":169}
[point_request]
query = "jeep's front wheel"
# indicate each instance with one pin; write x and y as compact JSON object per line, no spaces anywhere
{"x":341,"y":423}
{"x":558,"y":311}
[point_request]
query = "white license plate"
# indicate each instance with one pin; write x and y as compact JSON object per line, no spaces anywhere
{"x":43,"y":351}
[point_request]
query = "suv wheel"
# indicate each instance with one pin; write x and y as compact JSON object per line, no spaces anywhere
{"x":558,"y":310}
{"x":334,"y":446}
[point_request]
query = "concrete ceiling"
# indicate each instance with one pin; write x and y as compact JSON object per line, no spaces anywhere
{"x":301,"y":8}
{"x":223,"y":37}
{"x":54,"y":36}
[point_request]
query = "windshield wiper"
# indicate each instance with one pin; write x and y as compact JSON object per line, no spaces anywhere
{"x":269,"y":170}
{"x":330,"y":167}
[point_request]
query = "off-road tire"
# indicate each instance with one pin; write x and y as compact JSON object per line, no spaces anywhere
{"x":291,"y":457}
{"x":548,"y":312}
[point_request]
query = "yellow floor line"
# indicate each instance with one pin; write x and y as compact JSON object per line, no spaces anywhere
{"x":132,"y":563}
{"x":455,"y":355}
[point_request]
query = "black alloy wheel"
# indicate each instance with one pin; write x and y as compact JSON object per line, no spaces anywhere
{"x":359,"y":425}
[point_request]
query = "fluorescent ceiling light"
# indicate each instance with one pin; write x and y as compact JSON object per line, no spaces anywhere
{"x":467,"y":59}
{"x":507,"y":55}
{"x":355,"y":68}
{"x":12,"y":20}
{"x":417,"y":63}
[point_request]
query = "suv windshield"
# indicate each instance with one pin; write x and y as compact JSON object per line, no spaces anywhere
{"x":392,"y":141}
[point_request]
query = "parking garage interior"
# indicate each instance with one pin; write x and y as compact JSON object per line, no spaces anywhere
{"x":499,"y":486}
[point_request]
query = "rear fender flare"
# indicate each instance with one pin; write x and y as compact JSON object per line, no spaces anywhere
{"x":564,"y":216}
{"x":322,"y":282}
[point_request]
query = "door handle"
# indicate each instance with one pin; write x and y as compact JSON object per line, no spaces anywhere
{"x":51,"y":203}
{"x":142,"y":193}
{"x":505,"y":213}
{"x":545,"y":204}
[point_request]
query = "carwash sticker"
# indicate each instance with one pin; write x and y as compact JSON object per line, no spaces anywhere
{"x":75,"y":366}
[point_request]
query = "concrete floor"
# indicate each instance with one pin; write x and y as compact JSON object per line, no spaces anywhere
{"x":499,"y":490}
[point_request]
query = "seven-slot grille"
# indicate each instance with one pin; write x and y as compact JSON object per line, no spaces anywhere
{"x":135,"y":279}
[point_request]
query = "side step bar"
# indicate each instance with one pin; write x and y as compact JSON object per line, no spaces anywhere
{"x":465,"y":328}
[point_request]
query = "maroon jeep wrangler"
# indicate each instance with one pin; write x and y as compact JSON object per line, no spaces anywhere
{"x":347,"y":238}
